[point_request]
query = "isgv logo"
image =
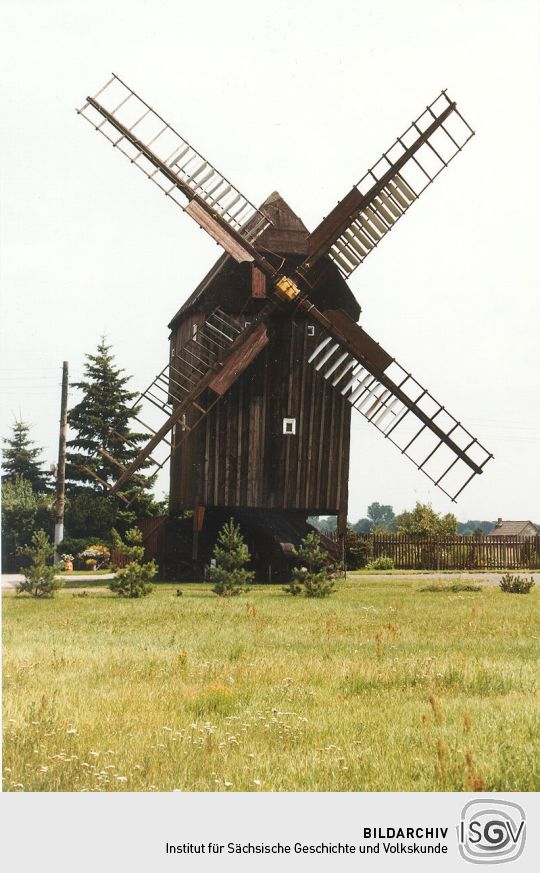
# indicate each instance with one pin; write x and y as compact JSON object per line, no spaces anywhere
{"x":491,"y":831}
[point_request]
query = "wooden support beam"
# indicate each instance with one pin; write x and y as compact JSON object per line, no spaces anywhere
{"x":240,"y":360}
{"x":258,"y":283}
{"x":359,"y":339}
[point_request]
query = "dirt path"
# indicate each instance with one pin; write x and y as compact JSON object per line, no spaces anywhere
{"x":9,"y":580}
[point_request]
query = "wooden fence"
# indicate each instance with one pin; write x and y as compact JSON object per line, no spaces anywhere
{"x":457,"y":552}
{"x":410,"y":552}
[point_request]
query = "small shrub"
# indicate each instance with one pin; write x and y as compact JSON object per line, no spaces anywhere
{"x":381,"y":563}
{"x":135,"y":579}
{"x":40,"y":577}
{"x":314,"y":573}
{"x":454,"y":587}
{"x":516,"y":584}
{"x":358,"y":550}
{"x":230,"y":576}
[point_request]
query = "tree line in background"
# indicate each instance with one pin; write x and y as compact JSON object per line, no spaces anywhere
{"x":103,"y":418}
{"x":423,"y":520}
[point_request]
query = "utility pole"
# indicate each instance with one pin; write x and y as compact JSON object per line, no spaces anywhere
{"x":61,"y":468}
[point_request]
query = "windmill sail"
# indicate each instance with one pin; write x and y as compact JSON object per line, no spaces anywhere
{"x":391,"y":399}
{"x":196,"y":378}
{"x":175,"y":166}
{"x":363,"y":218}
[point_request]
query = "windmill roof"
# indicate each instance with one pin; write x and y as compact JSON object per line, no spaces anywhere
{"x":287,"y":236}
{"x":510,"y":528}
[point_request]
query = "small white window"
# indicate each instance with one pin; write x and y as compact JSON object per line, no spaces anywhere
{"x":183,"y":422}
{"x":247,"y":323}
{"x":289,"y":425}
{"x":194,"y":331}
{"x":311,"y":330}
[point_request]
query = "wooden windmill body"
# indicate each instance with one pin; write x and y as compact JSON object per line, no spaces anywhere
{"x":279,"y":440}
{"x":266,"y":357}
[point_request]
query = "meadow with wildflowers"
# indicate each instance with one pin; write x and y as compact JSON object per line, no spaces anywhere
{"x":382,"y":687}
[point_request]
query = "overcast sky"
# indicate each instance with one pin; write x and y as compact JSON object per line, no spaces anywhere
{"x":300,"y":97}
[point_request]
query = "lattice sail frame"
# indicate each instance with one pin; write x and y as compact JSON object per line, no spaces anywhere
{"x":117,"y":102}
{"x":405,"y":413}
{"x":404,"y":186}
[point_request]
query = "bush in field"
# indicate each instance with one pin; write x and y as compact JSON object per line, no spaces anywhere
{"x":39,"y":577}
{"x":516,"y":584}
{"x":454,"y":587}
{"x":135,"y":579}
{"x":358,"y":550}
{"x":229,"y":575}
{"x":314,"y":574}
{"x":381,"y":563}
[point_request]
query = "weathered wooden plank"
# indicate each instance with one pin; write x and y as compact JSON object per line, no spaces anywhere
{"x":330,"y":227}
{"x":290,"y":411}
{"x":332,"y":460}
{"x":301,"y":431}
{"x":361,"y":343}
{"x":217,"y":232}
{"x":258,"y":283}
{"x":310,"y":485}
{"x":237,"y":362}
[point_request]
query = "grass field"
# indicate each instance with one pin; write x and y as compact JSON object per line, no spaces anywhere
{"x":381,"y":687}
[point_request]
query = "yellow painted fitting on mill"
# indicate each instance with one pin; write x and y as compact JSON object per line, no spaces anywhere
{"x":287,"y":289}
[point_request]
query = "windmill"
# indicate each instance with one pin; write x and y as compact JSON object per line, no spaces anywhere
{"x":267,"y":360}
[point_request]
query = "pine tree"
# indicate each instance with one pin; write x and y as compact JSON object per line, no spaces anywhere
{"x":134,"y":580}
{"x":40,"y":578}
{"x":102,"y":415}
{"x":231,"y":555}
{"x":314,"y":573}
{"x":21,"y":458}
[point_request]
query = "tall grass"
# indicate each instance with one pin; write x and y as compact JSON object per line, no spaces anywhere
{"x":380,"y":688}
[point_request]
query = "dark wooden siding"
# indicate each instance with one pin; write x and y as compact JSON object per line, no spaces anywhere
{"x":239,"y":456}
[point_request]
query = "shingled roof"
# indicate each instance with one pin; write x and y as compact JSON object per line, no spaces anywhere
{"x":513,"y":529}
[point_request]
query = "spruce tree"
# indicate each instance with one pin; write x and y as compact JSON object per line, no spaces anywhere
{"x":21,"y":458}
{"x":100,"y":420}
{"x":229,"y":575}
{"x":135,"y":579}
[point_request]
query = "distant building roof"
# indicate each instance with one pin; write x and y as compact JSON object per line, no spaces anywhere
{"x":513,"y":529}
